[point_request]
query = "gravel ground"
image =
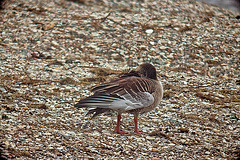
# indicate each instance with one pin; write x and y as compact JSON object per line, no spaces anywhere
{"x":52,"y":52}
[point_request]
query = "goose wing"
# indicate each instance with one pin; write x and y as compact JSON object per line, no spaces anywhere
{"x":124,"y":94}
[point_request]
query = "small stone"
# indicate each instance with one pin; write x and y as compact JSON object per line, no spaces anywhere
{"x":48,"y":26}
{"x":55,"y":43}
{"x":150,"y":138}
{"x":155,"y":150}
{"x":163,"y":47}
{"x":26,"y":153}
{"x":184,"y":130}
{"x":152,"y":42}
{"x":216,"y":131}
{"x":3,"y":90}
{"x":182,"y":141}
{"x":179,"y":147}
{"x":207,"y":152}
{"x":149,"y":31}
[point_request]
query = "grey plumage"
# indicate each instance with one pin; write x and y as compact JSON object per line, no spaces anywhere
{"x":135,"y":92}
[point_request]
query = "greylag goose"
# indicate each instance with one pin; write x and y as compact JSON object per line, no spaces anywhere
{"x":135,"y":92}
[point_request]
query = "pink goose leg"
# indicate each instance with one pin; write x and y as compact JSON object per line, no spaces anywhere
{"x":136,"y":125}
{"x":118,"y":125}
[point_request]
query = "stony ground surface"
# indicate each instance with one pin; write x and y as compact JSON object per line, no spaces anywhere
{"x":52,"y":52}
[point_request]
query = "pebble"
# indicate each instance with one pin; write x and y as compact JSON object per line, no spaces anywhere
{"x":3,"y":90}
{"x":149,"y":31}
{"x":152,"y":42}
{"x":155,"y":150}
{"x":150,"y":138}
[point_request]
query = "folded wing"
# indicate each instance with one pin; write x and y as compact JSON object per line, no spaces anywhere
{"x":122,"y":94}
